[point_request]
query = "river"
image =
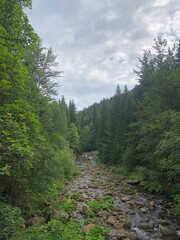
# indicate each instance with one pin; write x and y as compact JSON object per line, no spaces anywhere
{"x":149,"y":216}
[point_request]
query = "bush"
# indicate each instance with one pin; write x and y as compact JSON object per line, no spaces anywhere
{"x":97,"y":233}
{"x":54,"y":230}
{"x":105,"y":203}
{"x":10,"y":220}
{"x":68,"y":163}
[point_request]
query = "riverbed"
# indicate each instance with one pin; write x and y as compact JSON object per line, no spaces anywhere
{"x":149,"y":217}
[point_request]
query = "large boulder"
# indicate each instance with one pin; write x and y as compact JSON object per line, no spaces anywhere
{"x":57,"y":214}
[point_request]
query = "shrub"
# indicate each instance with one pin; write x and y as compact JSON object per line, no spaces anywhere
{"x":54,"y":230}
{"x":104,"y":203}
{"x":89,"y":215}
{"x":68,"y":163}
{"x":97,"y":233}
{"x":10,"y":220}
{"x":75,"y":195}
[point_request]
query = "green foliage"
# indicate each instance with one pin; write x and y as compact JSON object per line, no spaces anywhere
{"x":97,"y":233}
{"x":72,"y":112}
{"x":104,"y":203}
{"x":153,"y":180}
{"x":75,"y":195}
{"x":86,"y":139}
{"x":73,"y":137}
{"x":54,"y":230}
{"x":67,"y":163}
{"x":89,"y":215}
{"x":35,"y":152}
{"x":154,"y":187}
{"x":128,"y":160}
{"x":167,"y":151}
{"x":67,"y":205}
{"x":10,"y":220}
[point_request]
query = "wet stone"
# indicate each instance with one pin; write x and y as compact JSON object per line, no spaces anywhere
{"x":118,"y":225}
{"x":167,"y":231}
{"x":164,"y":222}
{"x":132,"y":236}
{"x":146,"y":226}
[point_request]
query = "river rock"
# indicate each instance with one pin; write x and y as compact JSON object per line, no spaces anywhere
{"x":164,"y":222}
{"x":35,"y":221}
{"x":118,"y":225}
{"x":117,"y":234}
{"x":103,"y":214}
{"x":133,"y":182}
{"x":109,"y":193}
{"x":111,"y":221}
{"x":151,"y":205}
{"x":167,"y":231}
{"x":85,"y":208}
{"x":143,"y":210}
{"x":126,"y":199}
{"x":139,"y":204}
{"x":59,"y":214}
{"x":146,"y":226}
{"x":132,"y":236}
{"x":142,"y":183}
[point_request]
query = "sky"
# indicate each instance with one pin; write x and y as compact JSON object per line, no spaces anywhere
{"x":98,"y":42}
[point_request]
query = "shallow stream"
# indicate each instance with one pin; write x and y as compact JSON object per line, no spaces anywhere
{"x":150,"y":216}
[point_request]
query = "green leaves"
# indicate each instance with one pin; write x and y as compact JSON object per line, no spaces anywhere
{"x":10,"y":220}
{"x":73,"y":137}
{"x":97,"y":233}
{"x":100,"y":204}
{"x":33,"y":128}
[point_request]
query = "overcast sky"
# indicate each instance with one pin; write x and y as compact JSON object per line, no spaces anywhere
{"x":98,"y":42}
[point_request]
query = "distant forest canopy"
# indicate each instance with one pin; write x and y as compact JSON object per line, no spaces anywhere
{"x":138,"y":130}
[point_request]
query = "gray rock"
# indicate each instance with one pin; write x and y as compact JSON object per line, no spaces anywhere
{"x":167,"y":231}
{"x":143,"y":210}
{"x":133,"y":182}
{"x":59,"y":214}
{"x":118,"y":225}
{"x":164,"y":222}
{"x":132,"y":236}
{"x":146,"y":226}
{"x":85,"y":208}
{"x":111,"y":221}
{"x":117,"y":234}
{"x":126,"y":199}
{"x":103,"y":214}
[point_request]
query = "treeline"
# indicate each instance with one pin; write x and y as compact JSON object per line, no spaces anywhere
{"x":139,"y":130}
{"x":37,"y":134}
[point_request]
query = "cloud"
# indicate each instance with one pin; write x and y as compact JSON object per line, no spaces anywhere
{"x":98,"y":42}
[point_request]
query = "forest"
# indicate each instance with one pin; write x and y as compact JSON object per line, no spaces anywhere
{"x":138,"y":131}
